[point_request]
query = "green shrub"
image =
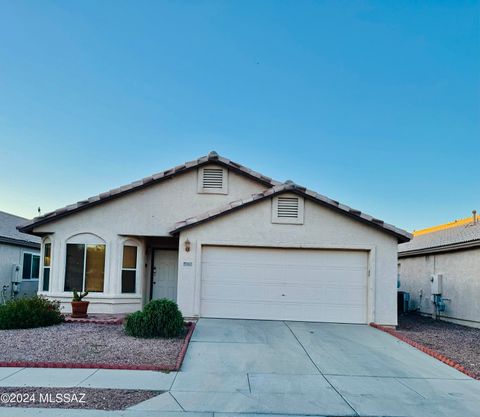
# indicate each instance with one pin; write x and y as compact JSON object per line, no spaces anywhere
{"x":159,"y":318}
{"x":135,"y":325}
{"x":24,"y":313}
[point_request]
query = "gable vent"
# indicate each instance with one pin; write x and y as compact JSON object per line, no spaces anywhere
{"x":287,"y":207}
{"x":212,"y":178}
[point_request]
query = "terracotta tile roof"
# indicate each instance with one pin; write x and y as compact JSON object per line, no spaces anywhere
{"x":402,"y":235}
{"x":274,"y":187}
{"x":212,"y":157}
{"x":457,"y":237}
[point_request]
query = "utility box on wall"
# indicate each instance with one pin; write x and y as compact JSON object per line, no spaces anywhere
{"x":16,"y":273}
{"x":436,"y":284}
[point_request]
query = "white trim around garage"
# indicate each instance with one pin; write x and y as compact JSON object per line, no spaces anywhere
{"x":371,"y":270}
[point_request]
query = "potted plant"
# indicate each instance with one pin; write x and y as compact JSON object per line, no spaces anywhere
{"x":79,"y":307}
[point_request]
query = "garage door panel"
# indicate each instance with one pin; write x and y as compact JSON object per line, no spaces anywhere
{"x":284,"y":284}
{"x":282,"y":311}
{"x":286,"y":293}
{"x":281,"y":273}
{"x":237,"y":292}
{"x":277,"y":256}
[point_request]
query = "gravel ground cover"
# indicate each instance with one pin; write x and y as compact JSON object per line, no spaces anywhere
{"x":459,"y":343}
{"x":86,"y":343}
{"x":100,"y":399}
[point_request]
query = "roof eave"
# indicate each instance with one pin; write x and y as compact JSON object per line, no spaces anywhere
{"x":440,"y":249}
{"x":401,"y":238}
{"x":19,"y":242}
{"x":237,"y":168}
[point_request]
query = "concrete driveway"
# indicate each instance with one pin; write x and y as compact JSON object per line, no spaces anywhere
{"x":248,"y":366}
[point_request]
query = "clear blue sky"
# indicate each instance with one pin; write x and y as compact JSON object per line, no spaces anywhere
{"x":373,"y":103}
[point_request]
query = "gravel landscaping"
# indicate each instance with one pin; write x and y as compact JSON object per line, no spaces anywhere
{"x":86,"y":343}
{"x":100,"y":399}
{"x":459,"y":343}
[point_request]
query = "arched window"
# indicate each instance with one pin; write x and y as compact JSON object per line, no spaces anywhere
{"x":85,"y":263}
{"x":129,"y":267}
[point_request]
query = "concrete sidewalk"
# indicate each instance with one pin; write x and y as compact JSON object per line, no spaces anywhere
{"x":250,"y":368}
{"x":88,"y":378}
{"x":50,"y":412}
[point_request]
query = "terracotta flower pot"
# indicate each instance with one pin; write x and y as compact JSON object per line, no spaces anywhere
{"x":79,"y":309}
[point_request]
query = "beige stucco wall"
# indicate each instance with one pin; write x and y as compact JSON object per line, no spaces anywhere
{"x":13,"y":255}
{"x":152,"y":211}
{"x":322,"y":228}
{"x":461,"y":283}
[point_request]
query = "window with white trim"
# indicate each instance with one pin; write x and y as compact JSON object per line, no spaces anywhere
{"x":129,"y":269}
{"x":47,"y":262}
{"x":31,"y":266}
{"x":85,"y":267}
{"x":288,"y":209}
{"x":213,"y":179}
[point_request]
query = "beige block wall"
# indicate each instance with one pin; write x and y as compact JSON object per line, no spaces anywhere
{"x":461,"y":283}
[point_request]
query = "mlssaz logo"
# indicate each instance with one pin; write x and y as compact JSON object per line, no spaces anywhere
{"x":62,"y":398}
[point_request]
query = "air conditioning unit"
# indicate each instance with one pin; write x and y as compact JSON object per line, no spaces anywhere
{"x":436,"y":284}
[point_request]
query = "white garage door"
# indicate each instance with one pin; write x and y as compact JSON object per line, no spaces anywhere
{"x":284,"y":284}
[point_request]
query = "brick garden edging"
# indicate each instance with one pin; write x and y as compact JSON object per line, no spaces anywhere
{"x":186,"y":342}
{"x":118,"y":320}
{"x":146,"y":367}
{"x":426,"y":350}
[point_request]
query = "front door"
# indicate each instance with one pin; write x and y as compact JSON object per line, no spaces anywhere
{"x":165,"y":272}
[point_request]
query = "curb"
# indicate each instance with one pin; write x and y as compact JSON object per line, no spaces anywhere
{"x":77,"y":365}
{"x":92,"y":365}
{"x":426,"y":350}
{"x":186,"y":342}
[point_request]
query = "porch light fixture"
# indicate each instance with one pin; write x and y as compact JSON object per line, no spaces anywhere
{"x":187,"y":245}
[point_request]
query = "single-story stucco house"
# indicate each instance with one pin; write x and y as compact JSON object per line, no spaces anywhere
{"x":223,"y":241}
{"x":19,"y":259}
{"x":443,"y":263}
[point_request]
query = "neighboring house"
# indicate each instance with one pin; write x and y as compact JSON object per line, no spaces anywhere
{"x":19,"y":259}
{"x":450,"y":255}
{"x":223,"y":241}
